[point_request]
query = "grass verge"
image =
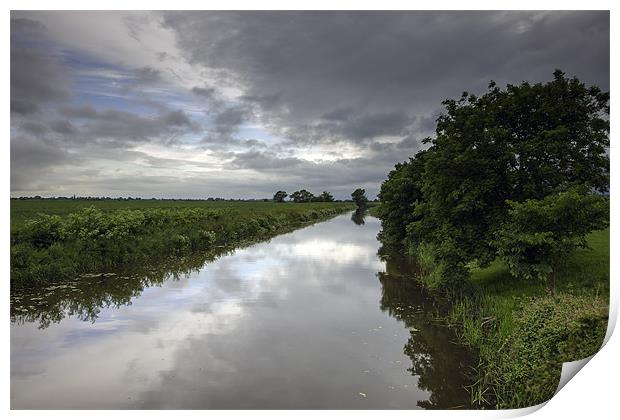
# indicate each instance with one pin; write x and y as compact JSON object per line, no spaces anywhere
{"x":524,"y":330}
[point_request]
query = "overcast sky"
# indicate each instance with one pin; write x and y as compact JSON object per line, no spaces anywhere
{"x":241,"y":104}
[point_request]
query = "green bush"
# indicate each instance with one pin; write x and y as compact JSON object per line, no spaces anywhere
{"x":540,"y":234}
{"x":42,"y":231}
{"x":549,"y":331}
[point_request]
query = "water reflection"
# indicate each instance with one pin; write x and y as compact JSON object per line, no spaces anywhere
{"x":85,"y":297}
{"x":358,"y":216}
{"x":298,"y":322}
{"x":441,"y":368}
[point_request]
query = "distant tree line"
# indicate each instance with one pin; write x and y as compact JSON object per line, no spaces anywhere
{"x":98,"y":198}
{"x":303,"y":196}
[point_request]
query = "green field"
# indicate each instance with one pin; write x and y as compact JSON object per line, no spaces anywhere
{"x":57,"y":240}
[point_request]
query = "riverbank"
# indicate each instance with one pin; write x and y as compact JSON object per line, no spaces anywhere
{"x":524,"y":330}
{"x":236,"y":333}
{"x":49,"y":248}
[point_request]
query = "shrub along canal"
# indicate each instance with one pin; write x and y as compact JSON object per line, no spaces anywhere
{"x":310,"y":319}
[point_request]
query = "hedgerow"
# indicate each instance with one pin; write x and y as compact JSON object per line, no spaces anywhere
{"x":48,"y":248}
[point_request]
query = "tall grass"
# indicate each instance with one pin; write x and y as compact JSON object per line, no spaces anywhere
{"x":522,"y":329}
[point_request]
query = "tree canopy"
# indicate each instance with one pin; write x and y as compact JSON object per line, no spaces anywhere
{"x":280,"y":196}
{"x":539,"y":234}
{"x":302,"y":196}
{"x":359,"y":197}
{"x":398,"y":195}
{"x":326,"y":197}
{"x":521,"y":143}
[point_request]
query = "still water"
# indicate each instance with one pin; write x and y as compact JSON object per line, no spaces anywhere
{"x":312,"y":319}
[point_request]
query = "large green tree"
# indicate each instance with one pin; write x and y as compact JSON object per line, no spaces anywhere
{"x":526,"y":141}
{"x":398,"y":196}
{"x":523,"y":142}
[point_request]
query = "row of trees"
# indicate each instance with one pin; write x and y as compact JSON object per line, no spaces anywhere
{"x":303,"y":196}
{"x":518,"y":173}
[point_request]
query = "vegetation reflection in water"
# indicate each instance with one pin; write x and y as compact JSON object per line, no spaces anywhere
{"x":359,"y":215}
{"x":85,"y":297}
{"x":438,"y":367}
{"x":442,"y":366}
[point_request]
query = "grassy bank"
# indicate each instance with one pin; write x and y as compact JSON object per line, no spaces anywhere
{"x":524,"y":330}
{"x":70,"y":241}
{"x":23,"y":210}
{"x":373,"y":209}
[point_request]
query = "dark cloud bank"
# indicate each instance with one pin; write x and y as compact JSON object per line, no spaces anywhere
{"x":361,"y":88}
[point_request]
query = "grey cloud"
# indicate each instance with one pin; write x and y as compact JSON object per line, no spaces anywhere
{"x":28,"y":152}
{"x":398,"y":150}
{"x":118,"y":125}
{"x":253,"y":143}
{"x":40,"y":166}
{"x":228,"y":121}
{"x":258,"y":160}
{"x":85,"y":111}
{"x":203,"y":91}
{"x":63,"y":127}
{"x":35,"y":79}
{"x":121,"y":126}
{"x":226,"y":143}
{"x":319,"y":63}
{"x":340,"y":114}
{"x":140,"y":79}
{"x":345,"y":125}
{"x":269,"y":102}
{"x":23,"y":106}
{"x":27,"y":28}
{"x":427,"y":123}
{"x":360,"y":79}
{"x":33,"y":127}
{"x":369,"y":126}
{"x":147,"y":75}
{"x":33,"y":161}
{"x":177,"y":119}
{"x":232,"y":116}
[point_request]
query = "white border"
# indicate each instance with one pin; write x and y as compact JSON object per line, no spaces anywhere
{"x":592,"y":394}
